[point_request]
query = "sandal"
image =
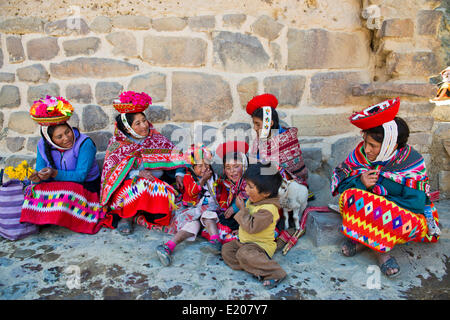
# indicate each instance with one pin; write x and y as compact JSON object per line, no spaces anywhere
{"x":125,"y":227}
{"x":273,"y":283}
{"x":391,"y":263}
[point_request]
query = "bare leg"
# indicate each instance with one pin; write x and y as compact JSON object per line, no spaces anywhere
{"x":180,"y":236}
{"x":211,"y":226}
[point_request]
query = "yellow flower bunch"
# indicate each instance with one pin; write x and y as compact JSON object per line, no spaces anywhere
{"x":21,"y":172}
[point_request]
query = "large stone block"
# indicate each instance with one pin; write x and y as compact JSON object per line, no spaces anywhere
{"x":174,"y":51}
{"x":322,"y":124}
{"x":247,"y":89}
{"x":41,"y":91}
{"x":323,"y":228}
{"x":66,"y":27}
{"x":85,"y":46}
{"x":288,"y":89}
{"x":7,"y":77}
{"x":267,"y":27}
{"x":392,"y":89}
{"x":21,"y":122}
{"x":43,"y":48}
{"x":107,"y":92}
{"x":22,"y":25}
{"x":197,"y":96}
{"x":101,"y":139}
{"x":444,"y":182}
{"x":237,"y":52}
{"x":131,"y":22}
{"x":92,"y":68}
{"x":169,"y":24}
{"x":94,"y":118}
{"x":334,"y":88}
{"x":419,"y":123}
{"x":9,"y":97}
{"x":202,"y":23}
{"x":80,"y":93}
{"x":412,"y":64}
{"x":101,"y":24}
{"x":15,"y":49}
{"x":312,"y":158}
{"x":33,"y":73}
{"x":15,"y":144}
{"x":153,"y":83}
{"x":322,"y":49}
{"x":157,"y":114}
{"x":234,"y":20}
{"x":441,"y":113}
{"x":341,"y":149}
{"x":32,"y":143}
{"x":124,"y":43}
{"x":428,"y":22}
{"x":400,"y":28}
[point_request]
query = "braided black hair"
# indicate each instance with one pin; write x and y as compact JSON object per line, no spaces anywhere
{"x":130,"y":118}
{"x":258,"y":113}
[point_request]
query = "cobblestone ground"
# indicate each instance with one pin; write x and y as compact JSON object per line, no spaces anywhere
{"x":44,"y":266}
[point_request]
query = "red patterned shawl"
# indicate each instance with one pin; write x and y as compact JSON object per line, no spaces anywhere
{"x":122,"y":154}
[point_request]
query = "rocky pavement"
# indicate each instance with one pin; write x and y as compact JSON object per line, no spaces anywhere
{"x":60,"y":264}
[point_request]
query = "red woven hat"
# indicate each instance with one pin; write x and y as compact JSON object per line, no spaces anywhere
{"x":263,"y":100}
{"x":376,"y":114}
{"x":231,"y":146}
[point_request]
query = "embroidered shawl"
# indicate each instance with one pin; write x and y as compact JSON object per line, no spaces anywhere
{"x":284,"y":150}
{"x":228,"y":191}
{"x":156,"y":152}
{"x":406,"y":167}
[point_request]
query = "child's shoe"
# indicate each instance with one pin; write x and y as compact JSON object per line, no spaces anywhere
{"x":164,"y":254}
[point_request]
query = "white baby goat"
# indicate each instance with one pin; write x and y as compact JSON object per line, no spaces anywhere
{"x":293,"y":197}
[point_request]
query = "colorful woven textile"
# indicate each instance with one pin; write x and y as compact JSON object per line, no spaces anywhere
{"x":406,"y":167}
{"x":379,"y":223}
{"x":284,"y":150}
{"x":153,"y":200}
{"x":11,"y":201}
{"x":155,"y":152}
{"x":65,"y":204}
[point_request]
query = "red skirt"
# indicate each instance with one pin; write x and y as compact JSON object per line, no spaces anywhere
{"x":152,"y":201}
{"x":380,"y":224}
{"x":66,"y":204}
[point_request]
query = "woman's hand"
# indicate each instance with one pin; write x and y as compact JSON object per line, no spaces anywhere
{"x":34,"y":177}
{"x":228,"y":213}
{"x":146,"y":174}
{"x":47,"y":173}
{"x":179,"y":181}
{"x":369,"y":178}
{"x":240,"y":203}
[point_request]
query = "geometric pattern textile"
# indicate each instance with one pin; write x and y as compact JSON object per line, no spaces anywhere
{"x":380,"y":224}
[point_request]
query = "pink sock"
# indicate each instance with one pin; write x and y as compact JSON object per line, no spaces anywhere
{"x":214,"y":237}
{"x":171,"y":245}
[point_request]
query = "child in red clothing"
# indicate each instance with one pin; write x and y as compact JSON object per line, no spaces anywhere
{"x":199,"y":206}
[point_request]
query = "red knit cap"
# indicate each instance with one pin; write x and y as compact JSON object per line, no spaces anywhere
{"x":231,"y":146}
{"x":263,"y":100}
{"x":376,"y":114}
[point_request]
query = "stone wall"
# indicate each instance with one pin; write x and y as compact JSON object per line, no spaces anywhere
{"x":201,"y":62}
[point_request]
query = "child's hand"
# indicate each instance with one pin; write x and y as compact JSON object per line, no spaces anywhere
{"x":228,"y":213}
{"x":240,"y":203}
{"x":146,"y":174}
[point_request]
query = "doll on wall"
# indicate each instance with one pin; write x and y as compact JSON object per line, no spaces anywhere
{"x":443,"y":95}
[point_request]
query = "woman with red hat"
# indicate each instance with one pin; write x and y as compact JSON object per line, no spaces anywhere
{"x":275,"y":143}
{"x":138,"y":162}
{"x":67,"y":177}
{"x":384,"y":188}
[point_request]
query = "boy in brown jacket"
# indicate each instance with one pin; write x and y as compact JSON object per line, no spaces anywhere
{"x":257,"y":220}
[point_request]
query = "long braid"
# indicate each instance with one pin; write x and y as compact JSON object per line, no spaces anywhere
{"x":47,"y":148}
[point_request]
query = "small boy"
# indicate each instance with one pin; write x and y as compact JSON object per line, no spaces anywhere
{"x":257,"y":220}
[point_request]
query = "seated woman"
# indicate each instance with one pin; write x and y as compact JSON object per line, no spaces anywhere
{"x":274,"y":143}
{"x":229,"y":186}
{"x":384,"y":188}
{"x":137,"y":161}
{"x":67,"y":176}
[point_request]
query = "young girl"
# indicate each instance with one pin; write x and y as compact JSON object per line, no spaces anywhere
{"x":257,"y":219}
{"x":199,"y":205}
{"x":229,"y":186}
